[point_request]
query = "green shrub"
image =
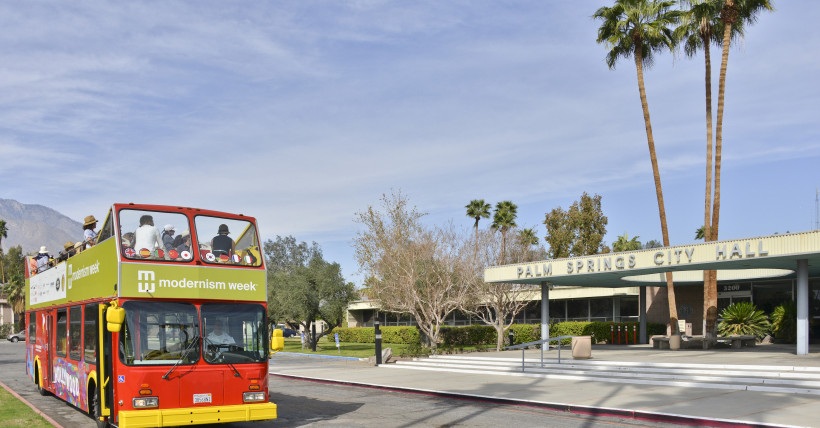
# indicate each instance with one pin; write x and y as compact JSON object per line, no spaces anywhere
{"x":784,"y":323}
{"x":468,"y":335}
{"x":398,"y":335}
{"x":743,"y":318}
{"x":5,"y":330}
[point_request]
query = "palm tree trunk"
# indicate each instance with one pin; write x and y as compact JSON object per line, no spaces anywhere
{"x":670,"y":288}
{"x":709,"y":287}
{"x":729,"y":14}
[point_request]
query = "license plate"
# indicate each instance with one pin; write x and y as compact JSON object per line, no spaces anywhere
{"x":202,"y":398}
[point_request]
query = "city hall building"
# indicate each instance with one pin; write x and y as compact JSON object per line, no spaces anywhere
{"x":630,"y":286}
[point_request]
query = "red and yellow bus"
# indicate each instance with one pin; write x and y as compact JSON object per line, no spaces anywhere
{"x":162,"y":322}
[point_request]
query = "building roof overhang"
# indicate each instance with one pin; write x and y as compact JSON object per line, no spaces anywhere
{"x":764,"y":257}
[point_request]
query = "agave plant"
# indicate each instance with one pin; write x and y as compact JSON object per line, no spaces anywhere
{"x":784,"y":323}
{"x":743,"y":318}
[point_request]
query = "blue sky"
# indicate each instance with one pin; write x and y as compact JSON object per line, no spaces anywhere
{"x":302,"y":113}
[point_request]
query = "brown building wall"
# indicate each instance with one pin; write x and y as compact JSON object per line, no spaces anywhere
{"x":688,"y":299}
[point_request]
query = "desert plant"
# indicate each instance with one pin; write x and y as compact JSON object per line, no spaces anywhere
{"x":743,"y":318}
{"x":784,"y":323}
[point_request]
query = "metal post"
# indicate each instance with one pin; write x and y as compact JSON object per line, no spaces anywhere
{"x":511,"y":338}
{"x":642,"y":313}
{"x":313,"y":336}
{"x":378,"y":343}
{"x":802,"y":307}
{"x":545,"y":311}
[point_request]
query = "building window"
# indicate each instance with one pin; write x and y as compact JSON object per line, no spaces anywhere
{"x":630,"y":309}
{"x":75,"y":328}
{"x":62,"y":332}
{"x":600,"y":309}
{"x":577,"y":310}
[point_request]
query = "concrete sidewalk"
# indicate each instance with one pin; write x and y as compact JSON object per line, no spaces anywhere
{"x":686,"y":406}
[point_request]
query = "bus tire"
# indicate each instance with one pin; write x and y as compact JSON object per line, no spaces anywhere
{"x":94,"y":410}
{"x":40,"y":390}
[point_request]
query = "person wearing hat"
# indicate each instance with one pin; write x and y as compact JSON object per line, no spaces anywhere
{"x":89,"y":235}
{"x":42,"y":258}
{"x":222,"y":244}
{"x":68,"y":251}
{"x":168,"y":237}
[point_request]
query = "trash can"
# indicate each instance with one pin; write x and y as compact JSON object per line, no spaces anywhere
{"x":581,"y":347}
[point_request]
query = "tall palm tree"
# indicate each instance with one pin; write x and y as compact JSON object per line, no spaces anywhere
{"x":527,"y":237}
{"x":3,"y":234}
{"x":504,"y":220}
{"x":478,"y":209}
{"x":639,"y":28}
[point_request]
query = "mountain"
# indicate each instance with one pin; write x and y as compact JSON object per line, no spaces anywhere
{"x":34,"y":225}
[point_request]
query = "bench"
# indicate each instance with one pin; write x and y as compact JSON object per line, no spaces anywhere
{"x":660,"y":342}
{"x":738,"y":341}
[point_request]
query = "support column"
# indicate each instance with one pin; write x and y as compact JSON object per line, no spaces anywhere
{"x":642,"y":315}
{"x":802,"y":295}
{"x":545,"y":311}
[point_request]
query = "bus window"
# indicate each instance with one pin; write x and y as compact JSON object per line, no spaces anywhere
{"x":155,"y":235}
{"x":234,"y":333}
{"x":62,"y":332}
{"x":75,"y":326}
{"x":227,"y":241}
{"x":107,"y":230}
{"x":90,"y":334}
{"x":32,"y":327}
{"x":159,"y":333}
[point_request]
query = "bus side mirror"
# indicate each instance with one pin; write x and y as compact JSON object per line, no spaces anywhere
{"x":114,"y":317}
{"x":277,"y":342}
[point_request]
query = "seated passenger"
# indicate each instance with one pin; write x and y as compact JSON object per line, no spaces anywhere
{"x":222,"y":244}
{"x":89,"y":235}
{"x":42,"y":258}
{"x":146,"y":237}
{"x":68,"y":251}
{"x":183,"y":242}
{"x":217,"y":336}
{"x":168,"y":237}
{"x":128,"y":240}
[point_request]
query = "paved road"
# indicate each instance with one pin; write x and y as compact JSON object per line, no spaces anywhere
{"x":303,"y":403}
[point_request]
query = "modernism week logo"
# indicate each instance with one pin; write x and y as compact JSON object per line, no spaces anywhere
{"x":147,"y":283}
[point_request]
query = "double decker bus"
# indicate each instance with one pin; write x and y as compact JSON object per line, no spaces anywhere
{"x":147,"y":329}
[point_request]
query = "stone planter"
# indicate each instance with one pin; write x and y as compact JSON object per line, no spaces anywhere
{"x":674,"y":342}
{"x":581,"y":347}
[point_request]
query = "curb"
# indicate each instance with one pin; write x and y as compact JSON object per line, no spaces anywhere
{"x":36,"y":410}
{"x":333,"y":357}
{"x":561,"y":407}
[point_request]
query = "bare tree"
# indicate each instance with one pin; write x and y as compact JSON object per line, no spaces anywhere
{"x":497,"y":304}
{"x":417,"y":270}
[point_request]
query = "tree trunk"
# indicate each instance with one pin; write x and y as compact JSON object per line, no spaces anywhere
{"x":709,"y":287}
{"x":670,"y":288}
{"x":499,"y":329}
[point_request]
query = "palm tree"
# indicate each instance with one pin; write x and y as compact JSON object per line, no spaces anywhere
{"x":504,"y":220}
{"x":527,"y":237}
{"x":3,"y":234}
{"x":478,"y":209}
{"x":639,"y":28}
{"x":625,"y":244}
{"x":700,"y":233}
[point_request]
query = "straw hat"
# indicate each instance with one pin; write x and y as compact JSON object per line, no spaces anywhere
{"x":43,"y":250}
{"x":89,"y":220}
{"x":68,"y":245}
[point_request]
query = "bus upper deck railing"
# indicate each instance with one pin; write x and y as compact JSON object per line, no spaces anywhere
{"x":541,"y":342}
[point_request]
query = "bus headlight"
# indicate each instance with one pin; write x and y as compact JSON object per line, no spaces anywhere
{"x":253,"y":396}
{"x":145,"y":402}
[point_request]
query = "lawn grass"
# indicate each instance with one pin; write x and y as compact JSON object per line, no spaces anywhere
{"x":15,"y":413}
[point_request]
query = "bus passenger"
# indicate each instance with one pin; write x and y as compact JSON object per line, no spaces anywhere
{"x":183,"y":242}
{"x":42,"y":259}
{"x":89,"y":235}
{"x":68,"y":251}
{"x":147,"y":236}
{"x":217,"y":336}
{"x":128,"y":240}
{"x":168,"y":237}
{"x":222,"y":244}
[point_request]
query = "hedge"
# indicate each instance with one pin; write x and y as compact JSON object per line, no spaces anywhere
{"x":486,"y":335}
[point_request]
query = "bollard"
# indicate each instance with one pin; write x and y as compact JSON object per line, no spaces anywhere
{"x":612,"y":334}
{"x":511,"y":338}
{"x":619,"y":334}
{"x":634,"y":334}
{"x":378,"y":343}
{"x":313,"y":337}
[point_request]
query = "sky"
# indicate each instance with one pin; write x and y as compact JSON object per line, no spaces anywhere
{"x":303,"y":113}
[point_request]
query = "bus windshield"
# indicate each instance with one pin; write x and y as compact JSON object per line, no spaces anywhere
{"x":227,"y":241}
{"x":234,"y":333}
{"x":155,"y":235}
{"x":159,"y":333}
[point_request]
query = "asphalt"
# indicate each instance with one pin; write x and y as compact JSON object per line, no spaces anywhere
{"x":663,"y":403}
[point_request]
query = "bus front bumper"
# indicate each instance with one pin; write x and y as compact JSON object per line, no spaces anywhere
{"x":197,"y":415}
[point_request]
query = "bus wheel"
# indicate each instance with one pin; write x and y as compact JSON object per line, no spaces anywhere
{"x":42,"y":391}
{"x":94,"y":409}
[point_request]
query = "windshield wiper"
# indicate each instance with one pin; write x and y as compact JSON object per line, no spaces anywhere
{"x":183,"y":356}
{"x":236,"y":372}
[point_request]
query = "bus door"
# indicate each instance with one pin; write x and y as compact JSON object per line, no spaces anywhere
{"x":49,"y":338}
